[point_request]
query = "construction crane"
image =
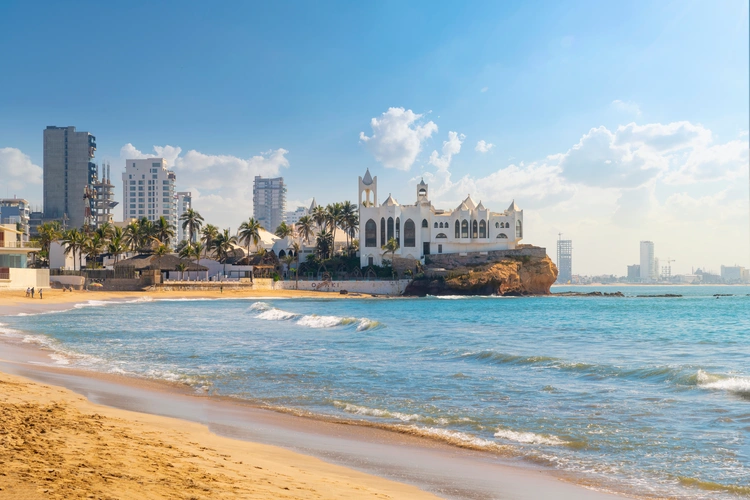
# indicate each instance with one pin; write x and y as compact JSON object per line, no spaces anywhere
{"x":666,"y":271}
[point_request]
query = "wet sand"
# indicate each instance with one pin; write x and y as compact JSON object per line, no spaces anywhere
{"x":216,"y":443}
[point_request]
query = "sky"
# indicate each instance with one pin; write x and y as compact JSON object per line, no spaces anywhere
{"x":608,"y":122}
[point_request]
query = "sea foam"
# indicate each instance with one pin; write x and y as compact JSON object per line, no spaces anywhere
{"x":269,"y":313}
{"x":735,"y":385}
{"x":529,"y":438}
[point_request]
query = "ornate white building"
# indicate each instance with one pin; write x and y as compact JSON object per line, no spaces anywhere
{"x":421,"y":229}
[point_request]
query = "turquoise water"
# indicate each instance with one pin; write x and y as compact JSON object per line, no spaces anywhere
{"x":643,"y":395}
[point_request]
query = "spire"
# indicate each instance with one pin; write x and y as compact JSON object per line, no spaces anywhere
{"x":468,"y":204}
{"x":513,"y":207}
{"x":480,"y":206}
{"x":313,"y":206}
{"x":390,"y":201}
{"x":367,"y":180}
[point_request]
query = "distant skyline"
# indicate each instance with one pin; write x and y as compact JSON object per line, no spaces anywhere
{"x":609,"y":123}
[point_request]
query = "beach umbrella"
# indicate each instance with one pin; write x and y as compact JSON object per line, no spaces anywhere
{"x":98,"y":285}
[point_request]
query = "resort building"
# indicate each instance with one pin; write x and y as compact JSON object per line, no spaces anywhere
{"x":149,"y":191}
{"x":184,"y":201}
{"x":68,"y":175}
{"x":13,"y":261}
{"x":269,"y":201}
{"x":421,"y":229}
{"x":16,"y":211}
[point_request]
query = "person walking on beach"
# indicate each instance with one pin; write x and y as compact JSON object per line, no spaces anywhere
{"x":32,"y":292}
{"x":28,"y":291}
{"x":40,"y":293}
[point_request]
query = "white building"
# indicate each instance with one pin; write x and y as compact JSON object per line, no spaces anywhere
{"x":269,"y":201}
{"x":149,"y":191}
{"x":733,"y":274}
{"x":184,"y":201}
{"x":421,"y":229}
{"x":648,"y":268}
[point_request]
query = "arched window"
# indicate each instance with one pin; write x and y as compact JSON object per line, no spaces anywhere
{"x":441,"y":235}
{"x":502,"y":236}
{"x":398,"y":229}
{"x":497,"y":225}
{"x":382,"y":231}
{"x":424,"y":223}
{"x":458,"y":229}
{"x":436,"y":225}
{"x":482,"y":229}
{"x":464,"y":229}
{"x":519,"y":229}
{"x":371,"y":237}
{"x":282,"y":254}
{"x":390,"y":229}
{"x":422,"y":192}
{"x":410,"y":231}
{"x":474,"y":229}
{"x":507,"y":225}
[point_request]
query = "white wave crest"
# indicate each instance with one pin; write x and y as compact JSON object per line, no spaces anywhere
{"x":367,"y":324}
{"x":260,"y":306}
{"x":100,"y":303}
{"x":529,"y":438}
{"x":315,"y":321}
{"x":376,"y":412}
{"x":276,"y":315}
{"x":736,"y":385}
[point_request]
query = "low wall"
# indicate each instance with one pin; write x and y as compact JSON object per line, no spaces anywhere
{"x":374,"y":287}
{"x":65,"y":281}
{"x":22,"y":278}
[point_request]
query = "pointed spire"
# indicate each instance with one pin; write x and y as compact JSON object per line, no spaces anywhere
{"x":389,"y":202}
{"x":367,"y":179}
{"x":313,"y":206}
{"x":513,"y":207}
{"x":480,"y":206}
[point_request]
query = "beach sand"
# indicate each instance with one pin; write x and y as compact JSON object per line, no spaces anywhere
{"x":56,"y":444}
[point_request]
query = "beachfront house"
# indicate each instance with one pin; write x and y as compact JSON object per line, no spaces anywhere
{"x":14,"y":258}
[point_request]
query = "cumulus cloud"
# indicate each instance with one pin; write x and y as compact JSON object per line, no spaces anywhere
{"x":628,"y":107}
{"x":222,"y":185}
{"x":397,"y":137}
{"x":483,"y":146}
{"x":450,"y":147}
{"x":19,"y":173}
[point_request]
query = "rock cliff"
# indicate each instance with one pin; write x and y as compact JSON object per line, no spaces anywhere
{"x":510,"y":276}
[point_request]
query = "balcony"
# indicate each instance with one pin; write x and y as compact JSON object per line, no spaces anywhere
{"x":18,"y":244}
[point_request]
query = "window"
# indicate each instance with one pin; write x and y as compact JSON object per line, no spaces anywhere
{"x":390,"y":229}
{"x":154,"y":176}
{"x":519,"y":229}
{"x":140,"y":183}
{"x":157,"y":165}
{"x":140,"y":205}
{"x":497,"y":225}
{"x":132,"y":205}
{"x":482,"y":229}
{"x":166,"y":212}
{"x":371,"y":237}
{"x":458,"y":229}
{"x":424,"y":224}
{"x":502,"y":236}
{"x":464,"y":229}
{"x":140,"y":212}
{"x":410,"y":231}
{"x":165,"y":182}
{"x":474,"y":229}
{"x":382,"y":231}
{"x":398,"y":229}
{"x":436,"y":225}
{"x":441,"y":235}
{"x":132,"y":182}
{"x":132,"y":188}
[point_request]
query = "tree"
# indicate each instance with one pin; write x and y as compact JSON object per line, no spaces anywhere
{"x":93,"y":247}
{"x":130,"y":235}
{"x":390,"y":247}
{"x":181,"y":267}
{"x":48,"y":232}
{"x":295,"y":249}
{"x":324,"y":244}
{"x":116,"y":246}
{"x":320,"y":216}
{"x":349,"y":222}
{"x":223,"y":245}
{"x":163,"y":231}
{"x":283,"y":231}
{"x":192,"y":222}
{"x":333,"y":219}
{"x":305,"y":228}
{"x":249,"y":231}
{"x":198,"y":248}
{"x":209,"y":235}
{"x":158,"y":253}
{"x":70,"y":240}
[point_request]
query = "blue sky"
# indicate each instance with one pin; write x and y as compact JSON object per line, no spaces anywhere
{"x":290,"y":88}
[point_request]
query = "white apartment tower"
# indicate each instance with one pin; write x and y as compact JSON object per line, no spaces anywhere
{"x":269,"y":201}
{"x":184,"y":203}
{"x":648,"y":267}
{"x":149,"y":191}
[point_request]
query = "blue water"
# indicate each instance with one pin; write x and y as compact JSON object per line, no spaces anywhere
{"x":642,"y":395}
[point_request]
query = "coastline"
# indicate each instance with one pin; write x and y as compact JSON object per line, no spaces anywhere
{"x":439,"y":468}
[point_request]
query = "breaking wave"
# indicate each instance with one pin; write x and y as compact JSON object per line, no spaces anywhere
{"x":529,"y":438}
{"x":270,"y":313}
{"x":734,"y":385}
{"x":376,"y":412}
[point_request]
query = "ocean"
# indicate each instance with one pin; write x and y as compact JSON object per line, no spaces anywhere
{"x":644,"y":395}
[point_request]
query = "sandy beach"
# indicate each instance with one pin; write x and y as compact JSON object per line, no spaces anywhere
{"x":87,"y":443}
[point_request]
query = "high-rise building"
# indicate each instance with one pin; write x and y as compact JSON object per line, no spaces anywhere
{"x":148,"y":190}
{"x":184,"y":203}
{"x":269,"y":201}
{"x":16,"y":211}
{"x":648,"y":268}
{"x":564,"y":260}
{"x":634,"y":273}
{"x":68,"y":175}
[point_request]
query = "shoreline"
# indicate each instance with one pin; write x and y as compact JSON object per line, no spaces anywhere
{"x":372,"y":449}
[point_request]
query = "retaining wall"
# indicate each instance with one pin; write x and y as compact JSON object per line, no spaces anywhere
{"x":23,"y":278}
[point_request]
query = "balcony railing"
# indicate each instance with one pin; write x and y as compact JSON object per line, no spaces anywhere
{"x":16,"y":244}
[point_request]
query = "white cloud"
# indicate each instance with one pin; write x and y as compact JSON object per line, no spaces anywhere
{"x":626,"y":107}
{"x":483,"y":146}
{"x":484,"y":89}
{"x":397,"y":137}
{"x":450,"y":147}
{"x":222,"y":185}
{"x":19,"y":174}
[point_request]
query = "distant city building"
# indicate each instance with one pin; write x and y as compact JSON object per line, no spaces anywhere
{"x":292,"y":218}
{"x":733,"y":274}
{"x":184,"y":203}
{"x":148,"y":190}
{"x":269,"y":201}
{"x":634,"y":273}
{"x":564,"y":260}
{"x":16,"y":211}
{"x":648,"y":269}
{"x":68,"y":175}
{"x":102,"y":194}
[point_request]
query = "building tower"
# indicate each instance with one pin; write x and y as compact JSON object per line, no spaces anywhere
{"x":148,"y":190}
{"x":648,"y":270}
{"x":269,"y":201}
{"x":564,"y":260}
{"x":369,"y":187}
{"x":184,"y":203}
{"x":68,"y":174}
{"x":103,"y":192}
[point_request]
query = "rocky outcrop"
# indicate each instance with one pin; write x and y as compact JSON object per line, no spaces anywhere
{"x":525,"y":275}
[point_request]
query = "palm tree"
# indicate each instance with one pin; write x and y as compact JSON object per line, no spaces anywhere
{"x":295,"y":248}
{"x":349,"y":222}
{"x":223,"y":245}
{"x":70,"y":239}
{"x":158,"y":253}
{"x":181,"y":267}
{"x":106,"y":231}
{"x":48,"y":232}
{"x":145,"y":235}
{"x":130,"y":235}
{"x":198,"y":249}
{"x":94,"y":246}
{"x":320,"y":216}
{"x":116,"y":246}
{"x":390,"y":247}
{"x":249,"y":231}
{"x":324,"y":244}
{"x":305,"y":228}
{"x":192,"y":221}
{"x":210,"y":233}
{"x":283,"y":231}
{"x":288,"y":259}
{"x":163,"y":231}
